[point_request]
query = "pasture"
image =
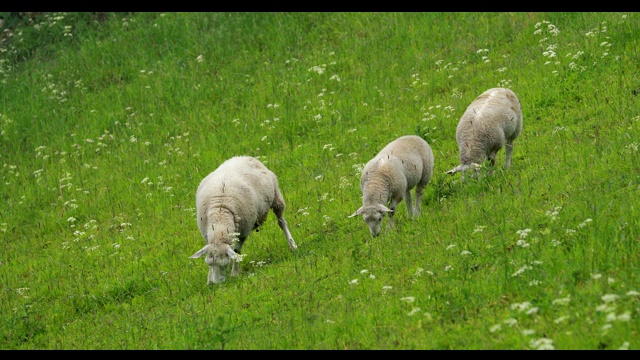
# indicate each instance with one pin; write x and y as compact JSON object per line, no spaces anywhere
{"x":109,"y":121}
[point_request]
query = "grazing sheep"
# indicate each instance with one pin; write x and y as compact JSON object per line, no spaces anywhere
{"x":403,"y":164}
{"x":232,"y":201}
{"x":492,"y":121}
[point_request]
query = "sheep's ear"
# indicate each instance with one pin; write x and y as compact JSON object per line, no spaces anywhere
{"x":358,"y":212}
{"x":381,"y":207}
{"x":232,"y":254}
{"x":200,"y":252}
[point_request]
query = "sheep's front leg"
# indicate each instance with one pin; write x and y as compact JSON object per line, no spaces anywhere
{"x":235,"y":268}
{"x":260,"y":221}
{"x":392,"y":206}
{"x":492,"y":158}
{"x":390,"y":224}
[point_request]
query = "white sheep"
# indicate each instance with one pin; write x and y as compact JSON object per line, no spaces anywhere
{"x":492,"y":121}
{"x":403,"y":164}
{"x":232,"y":201}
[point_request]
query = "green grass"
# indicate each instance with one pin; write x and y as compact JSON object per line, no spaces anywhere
{"x":109,"y":121}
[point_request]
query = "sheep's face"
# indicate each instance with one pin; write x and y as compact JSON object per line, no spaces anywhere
{"x":373,"y":215}
{"x":373,"y":218}
{"x":217,"y":256}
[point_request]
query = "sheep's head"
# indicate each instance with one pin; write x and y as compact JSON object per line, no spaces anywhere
{"x":217,"y":255}
{"x":372,"y":216}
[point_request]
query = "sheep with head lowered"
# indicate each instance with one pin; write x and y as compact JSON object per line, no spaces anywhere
{"x":231,"y":202}
{"x":389,"y":177}
{"x":492,"y":121}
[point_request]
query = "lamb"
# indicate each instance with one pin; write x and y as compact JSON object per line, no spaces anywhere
{"x":492,"y":121}
{"x":403,"y":164}
{"x":232,"y":201}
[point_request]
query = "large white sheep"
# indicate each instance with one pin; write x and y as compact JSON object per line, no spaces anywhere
{"x":403,"y":164}
{"x":232,"y":201}
{"x":492,"y":121}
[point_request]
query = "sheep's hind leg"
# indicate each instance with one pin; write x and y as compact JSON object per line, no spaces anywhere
{"x":410,"y":206}
{"x":278,"y":207}
{"x":279,"y":211}
{"x":235,"y":268}
{"x":418,"y":204}
{"x":508,"y":150}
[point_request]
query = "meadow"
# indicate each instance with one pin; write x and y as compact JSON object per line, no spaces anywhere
{"x":109,"y":121}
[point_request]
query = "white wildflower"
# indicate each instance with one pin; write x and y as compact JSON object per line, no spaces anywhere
{"x":495,"y":328}
{"x":607,"y":298}
{"x":521,"y":306}
{"x":479,"y":228}
{"x":542,"y":344}
{"x":562,"y":301}
{"x":533,"y":310}
{"x":626,"y":316}
{"x":560,"y":319}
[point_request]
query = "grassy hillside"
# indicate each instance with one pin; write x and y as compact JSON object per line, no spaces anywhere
{"x":109,"y":121}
